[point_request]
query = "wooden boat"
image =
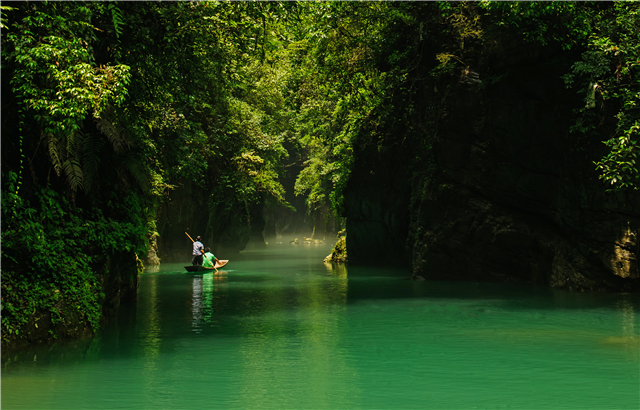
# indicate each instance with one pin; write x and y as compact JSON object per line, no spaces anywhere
{"x":200,"y":268}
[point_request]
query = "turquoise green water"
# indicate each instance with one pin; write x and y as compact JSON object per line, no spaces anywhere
{"x":278,"y":329}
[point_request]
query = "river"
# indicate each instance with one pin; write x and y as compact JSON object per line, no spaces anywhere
{"x":279,"y":329}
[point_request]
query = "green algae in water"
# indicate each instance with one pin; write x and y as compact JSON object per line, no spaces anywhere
{"x":281,"y":330}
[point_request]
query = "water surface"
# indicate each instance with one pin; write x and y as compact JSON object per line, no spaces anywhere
{"x":279,"y":329}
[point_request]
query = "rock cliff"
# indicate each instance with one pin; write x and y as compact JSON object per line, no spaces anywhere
{"x":507,"y":194}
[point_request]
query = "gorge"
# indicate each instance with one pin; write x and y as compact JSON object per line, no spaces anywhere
{"x":459,"y":141}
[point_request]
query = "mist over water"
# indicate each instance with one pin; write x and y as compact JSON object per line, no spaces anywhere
{"x":279,"y":329}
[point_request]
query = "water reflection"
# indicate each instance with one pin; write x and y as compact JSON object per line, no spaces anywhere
{"x":629,"y":319}
{"x":304,"y":323}
{"x":207,"y":297}
{"x":196,"y":304}
{"x":148,"y":309}
{"x":207,"y":290}
{"x":629,"y":339}
{"x":152,"y":268}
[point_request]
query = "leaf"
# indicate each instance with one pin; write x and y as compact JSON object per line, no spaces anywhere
{"x":116,"y":17}
{"x":117,"y":139}
{"x":73,"y":170}
{"x":56,"y":152}
{"x":139,"y":173}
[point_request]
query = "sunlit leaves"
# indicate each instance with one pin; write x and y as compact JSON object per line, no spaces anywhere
{"x":620,"y":167}
{"x":349,"y":73}
{"x":55,"y":76}
{"x":610,"y":75}
{"x":564,"y":22}
{"x":259,"y":154}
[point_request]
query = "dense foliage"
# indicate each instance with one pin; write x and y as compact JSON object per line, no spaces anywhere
{"x":108,"y":106}
{"x":607,"y":73}
{"x":112,"y":105}
{"x":49,"y":258}
{"x":610,"y":68}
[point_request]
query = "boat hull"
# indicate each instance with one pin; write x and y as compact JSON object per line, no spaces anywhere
{"x":200,"y":268}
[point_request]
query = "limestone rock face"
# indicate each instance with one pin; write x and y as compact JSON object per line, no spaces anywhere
{"x":508,"y":193}
{"x":152,"y":253}
{"x":376,"y":203}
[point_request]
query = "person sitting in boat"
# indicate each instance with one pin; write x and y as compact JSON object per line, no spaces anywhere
{"x":197,"y":252}
{"x":210,"y":259}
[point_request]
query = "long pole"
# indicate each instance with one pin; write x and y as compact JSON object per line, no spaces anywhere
{"x":204,"y":254}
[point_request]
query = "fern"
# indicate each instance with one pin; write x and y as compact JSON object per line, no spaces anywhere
{"x":74,"y":144}
{"x":67,"y":154}
{"x":117,"y":140}
{"x":56,"y":151}
{"x":116,"y":17}
{"x":138,"y":171}
{"x":73,"y":170}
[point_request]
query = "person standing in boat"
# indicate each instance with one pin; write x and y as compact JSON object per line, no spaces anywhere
{"x":210,"y":259}
{"x":198,"y":251}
